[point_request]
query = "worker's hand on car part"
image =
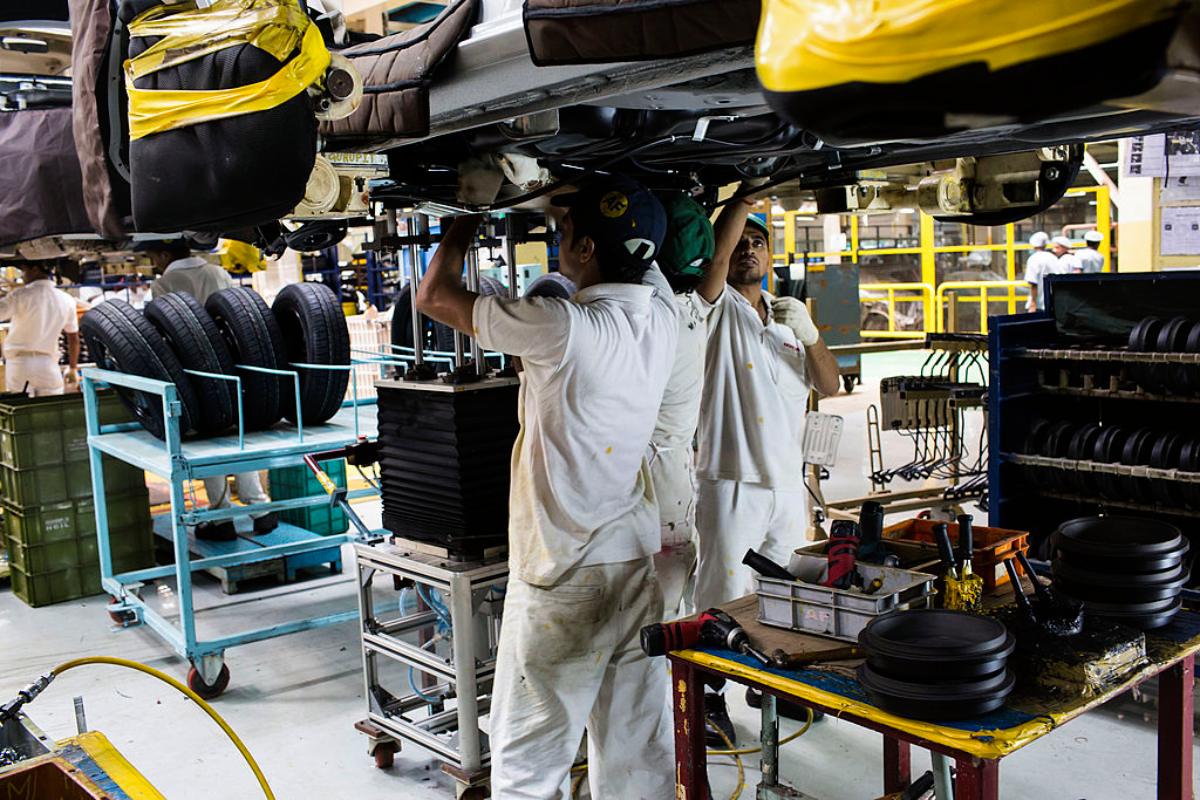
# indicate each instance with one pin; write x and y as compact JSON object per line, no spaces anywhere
{"x":792,"y":313}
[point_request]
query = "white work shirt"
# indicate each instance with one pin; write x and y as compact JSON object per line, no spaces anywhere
{"x":595,"y":368}
{"x":1040,"y":264}
{"x":755,"y":397}
{"x":40,"y":313}
{"x":1069,"y":263}
{"x":194,"y":275}
{"x":680,"y":412}
{"x":1091,"y":261}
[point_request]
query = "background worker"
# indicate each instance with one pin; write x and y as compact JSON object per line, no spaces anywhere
{"x":583,"y":524}
{"x":763,"y":354}
{"x":1068,"y":262}
{"x":687,"y":252}
{"x":1039,"y":264}
{"x":40,"y":313}
{"x":179,"y":270}
{"x":1090,"y":258}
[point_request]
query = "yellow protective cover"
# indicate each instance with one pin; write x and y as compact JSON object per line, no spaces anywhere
{"x":805,"y":45}
{"x":240,"y":257}
{"x":187,"y":32}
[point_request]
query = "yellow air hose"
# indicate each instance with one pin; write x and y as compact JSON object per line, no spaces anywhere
{"x":197,"y":699}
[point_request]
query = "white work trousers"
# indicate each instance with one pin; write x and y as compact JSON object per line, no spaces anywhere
{"x":673,"y":473}
{"x":249,"y":488}
{"x":570,"y":659}
{"x":41,"y":373}
{"x":730,"y":518}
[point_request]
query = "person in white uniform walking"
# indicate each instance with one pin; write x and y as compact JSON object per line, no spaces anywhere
{"x":39,"y":313}
{"x":687,"y":252}
{"x":1040,"y":264}
{"x":1090,"y":257}
{"x":763,"y":354}
{"x":583,"y":522}
{"x":179,"y":270}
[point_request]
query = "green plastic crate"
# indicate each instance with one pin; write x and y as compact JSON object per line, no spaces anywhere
{"x":40,"y":431}
{"x":132,"y":549}
{"x":59,"y":586}
{"x":70,"y":480}
{"x":288,"y":483}
{"x":72,"y":519}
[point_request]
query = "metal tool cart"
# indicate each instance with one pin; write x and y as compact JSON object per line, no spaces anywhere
{"x":180,"y":461}
{"x":470,"y":618}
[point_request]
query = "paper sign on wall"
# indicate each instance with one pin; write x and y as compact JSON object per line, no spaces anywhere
{"x":1180,"y":234}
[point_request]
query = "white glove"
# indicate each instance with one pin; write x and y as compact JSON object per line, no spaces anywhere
{"x":793,"y":314}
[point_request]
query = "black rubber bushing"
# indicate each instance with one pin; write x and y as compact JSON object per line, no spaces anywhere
{"x":1109,"y":446}
{"x":1138,"y":448}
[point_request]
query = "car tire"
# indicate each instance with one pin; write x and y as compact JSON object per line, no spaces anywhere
{"x":402,"y":319}
{"x":246,"y":324}
{"x":197,"y":343}
{"x":551,"y":284}
{"x":314,"y":332}
{"x":119,"y":338}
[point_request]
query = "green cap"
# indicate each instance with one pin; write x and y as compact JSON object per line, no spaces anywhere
{"x":687,"y":249}
{"x":758,"y":222}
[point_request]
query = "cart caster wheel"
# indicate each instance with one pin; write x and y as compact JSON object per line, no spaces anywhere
{"x":848,"y":383}
{"x":205,"y":690}
{"x":124,"y":617}
{"x":385,"y":755}
{"x":473,"y":793}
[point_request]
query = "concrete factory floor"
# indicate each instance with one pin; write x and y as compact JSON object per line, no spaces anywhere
{"x":294,"y":700}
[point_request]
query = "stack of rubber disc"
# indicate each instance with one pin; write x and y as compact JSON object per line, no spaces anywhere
{"x":1127,"y":569}
{"x":937,"y":665}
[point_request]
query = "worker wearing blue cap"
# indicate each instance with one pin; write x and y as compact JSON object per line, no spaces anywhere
{"x":583,"y":522}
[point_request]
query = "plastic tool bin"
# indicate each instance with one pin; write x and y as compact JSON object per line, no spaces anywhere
{"x":805,"y":605}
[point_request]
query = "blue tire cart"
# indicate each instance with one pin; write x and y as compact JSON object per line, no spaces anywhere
{"x":178,"y":461}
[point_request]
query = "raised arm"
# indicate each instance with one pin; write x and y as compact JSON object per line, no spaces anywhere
{"x":727,"y":230}
{"x":442,"y":295}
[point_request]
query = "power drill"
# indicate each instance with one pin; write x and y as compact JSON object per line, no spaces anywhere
{"x":713,"y":628}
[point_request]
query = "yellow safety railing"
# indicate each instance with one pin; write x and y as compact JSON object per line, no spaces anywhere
{"x":899,"y":293}
{"x":983,"y":295}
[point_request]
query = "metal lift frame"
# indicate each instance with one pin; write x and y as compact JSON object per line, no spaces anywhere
{"x":177,"y":461}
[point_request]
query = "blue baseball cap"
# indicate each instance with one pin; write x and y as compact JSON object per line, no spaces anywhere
{"x":625,"y":219}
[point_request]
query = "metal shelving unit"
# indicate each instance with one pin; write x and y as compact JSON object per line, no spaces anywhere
{"x":178,"y":461}
{"x":1070,"y":363}
{"x":422,"y":716}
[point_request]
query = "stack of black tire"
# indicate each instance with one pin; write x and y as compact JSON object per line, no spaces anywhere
{"x":235,"y":327}
{"x":1130,"y":570}
{"x":1132,"y":446}
{"x":937,"y":665}
{"x":1174,"y":335}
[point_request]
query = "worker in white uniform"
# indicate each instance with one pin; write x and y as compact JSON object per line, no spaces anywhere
{"x":1090,"y":258}
{"x":39,"y":314}
{"x":179,"y":270}
{"x":764,"y":353}
{"x":687,"y":251}
{"x":1040,"y":264}
{"x":583,"y":523}
{"x":1068,"y":262}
